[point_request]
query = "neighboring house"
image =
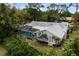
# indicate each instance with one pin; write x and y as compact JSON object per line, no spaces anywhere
{"x":50,"y":32}
{"x":70,"y":20}
{"x":67,"y":19}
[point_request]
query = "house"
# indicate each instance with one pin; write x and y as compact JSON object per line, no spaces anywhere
{"x":50,"y":32}
{"x":70,"y":20}
{"x":67,"y":19}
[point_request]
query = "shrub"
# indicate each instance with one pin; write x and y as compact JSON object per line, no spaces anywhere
{"x":76,"y":45}
{"x":72,"y":48}
{"x":18,"y":47}
{"x":68,"y":51}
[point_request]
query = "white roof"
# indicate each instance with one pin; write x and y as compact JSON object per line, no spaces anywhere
{"x":58,"y":29}
{"x":41,"y":24}
{"x":40,"y":28}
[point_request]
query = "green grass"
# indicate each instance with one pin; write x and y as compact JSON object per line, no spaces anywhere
{"x":41,"y":47}
{"x":47,"y":50}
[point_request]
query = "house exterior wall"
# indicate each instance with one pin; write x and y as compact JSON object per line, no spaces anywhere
{"x":50,"y":41}
{"x":39,"y":35}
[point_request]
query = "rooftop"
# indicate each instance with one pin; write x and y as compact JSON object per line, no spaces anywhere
{"x":27,"y":28}
{"x":58,"y":29}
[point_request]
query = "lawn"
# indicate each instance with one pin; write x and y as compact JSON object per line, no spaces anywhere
{"x":47,"y":50}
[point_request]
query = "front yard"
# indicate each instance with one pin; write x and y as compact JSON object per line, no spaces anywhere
{"x":47,"y":50}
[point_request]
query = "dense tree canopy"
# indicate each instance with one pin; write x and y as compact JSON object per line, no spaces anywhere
{"x":8,"y":20}
{"x":76,"y":17}
{"x":66,"y":14}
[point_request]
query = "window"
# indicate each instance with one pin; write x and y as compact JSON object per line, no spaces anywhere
{"x":44,"y":36}
{"x":56,"y":38}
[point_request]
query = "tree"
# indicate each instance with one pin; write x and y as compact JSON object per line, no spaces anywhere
{"x":34,"y":10}
{"x":76,"y":17}
{"x":76,"y":20}
{"x":66,"y":14}
{"x":64,"y":7}
{"x":43,"y":16}
{"x":76,"y":5}
{"x":76,"y":45}
{"x":35,"y":5}
{"x":52,"y":13}
{"x":34,"y":13}
{"x":57,"y":10}
{"x":8,"y":20}
{"x":63,"y":10}
{"x":52,"y":6}
{"x":53,"y":16}
{"x":23,"y":16}
{"x":3,"y":20}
